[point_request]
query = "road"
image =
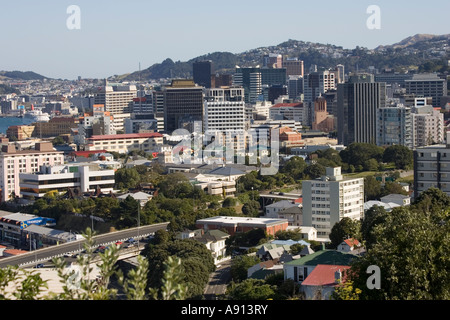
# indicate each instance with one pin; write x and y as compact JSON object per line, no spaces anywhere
{"x":218,"y":281}
{"x":46,"y":254}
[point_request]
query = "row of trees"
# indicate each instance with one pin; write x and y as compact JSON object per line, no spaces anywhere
{"x":408,"y":244}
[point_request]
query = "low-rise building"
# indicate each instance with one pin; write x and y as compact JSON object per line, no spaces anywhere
{"x":235,"y":225}
{"x":12,"y":227}
{"x":13,"y":162}
{"x":124,"y":143}
{"x":84,"y":175}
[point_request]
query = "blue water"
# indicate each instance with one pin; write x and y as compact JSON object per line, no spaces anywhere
{"x":9,"y":121}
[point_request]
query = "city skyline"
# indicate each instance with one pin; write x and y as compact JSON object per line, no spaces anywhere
{"x":115,"y":38}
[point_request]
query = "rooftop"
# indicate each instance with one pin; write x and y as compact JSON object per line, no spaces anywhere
{"x":237,"y":220}
{"x":328,"y":257}
{"x":126,"y":136}
{"x":323,"y":275}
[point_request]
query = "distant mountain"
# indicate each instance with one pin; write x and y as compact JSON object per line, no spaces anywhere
{"x":411,"y":53}
{"x":20,"y":75}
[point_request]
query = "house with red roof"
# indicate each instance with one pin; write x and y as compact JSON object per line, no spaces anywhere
{"x":349,"y":245}
{"x":321,"y":282}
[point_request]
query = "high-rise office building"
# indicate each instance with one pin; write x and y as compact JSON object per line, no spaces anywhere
{"x":294,"y":67}
{"x":252,"y":79}
{"x":358,"y":101}
{"x":427,"y":85}
{"x":203,"y":72}
{"x":329,"y":199}
{"x":183,"y":105}
{"x":317,"y":83}
{"x":116,"y":98}
{"x":295,"y":87}
{"x":224,"y":113}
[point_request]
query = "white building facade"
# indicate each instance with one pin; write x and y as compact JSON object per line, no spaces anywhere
{"x":328,"y":200}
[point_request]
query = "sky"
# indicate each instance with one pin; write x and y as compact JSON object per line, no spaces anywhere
{"x":115,"y":36}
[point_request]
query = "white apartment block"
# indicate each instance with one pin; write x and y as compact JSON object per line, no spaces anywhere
{"x":428,"y":126}
{"x":124,"y":143}
{"x":86,"y":176}
{"x":331,"y":198}
{"x":14,"y":162}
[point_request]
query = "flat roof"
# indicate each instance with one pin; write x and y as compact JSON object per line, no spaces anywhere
{"x":126,"y":136}
{"x":244,"y":220}
{"x":19,"y":217}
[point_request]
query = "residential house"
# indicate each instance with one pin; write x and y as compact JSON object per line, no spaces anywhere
{"x":273,"y":209}
{"x":322,"y":281}
{"x":399,"y":199}
{"x":214,"y":240}
{"x":300,"y":269}
{"x":349,"y":245}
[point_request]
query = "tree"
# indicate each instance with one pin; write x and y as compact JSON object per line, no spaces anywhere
{"x":127,"y":178}
{"x":314,"y":171}
{"x":358,"y":154}
{"x":411,"y":249}
{"x":229,"y":202}
{"x":196,"y":260}
{"x":251,"y":289}
{"x":401,"y":156}
{"x":240,"y":265}
{"x":173,"y":287}
{"x":374,"y":216}
{"x":294,"y":167}
{"x":251,"y":208}
{"x":289,"y":235}
{"x":372,"y":188}
{"x":344,"y":229}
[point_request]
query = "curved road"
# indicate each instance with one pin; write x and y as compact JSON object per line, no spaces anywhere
{"x":34,"y":257}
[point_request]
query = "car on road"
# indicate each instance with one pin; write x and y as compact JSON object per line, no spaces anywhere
{"x":119,"y":243}
{"x":39,"y":265}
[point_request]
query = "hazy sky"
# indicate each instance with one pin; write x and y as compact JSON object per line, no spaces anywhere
{"x":114,"y":36}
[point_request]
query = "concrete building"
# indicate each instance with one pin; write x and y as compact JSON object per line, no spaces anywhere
{"x":428,"y":126}
{"x":124,"y":143}
{"x":234,"y":225}
{"x":141,"y":123}
{"x":117,"y":98}
{"x":329,"y":199}
{"x":294,"y":67}
{"x":13,"y":162}
{"x":84,"y":175}
{"x":427,"y":85}
{"x":432,"y":168}
{"x":98,"y":122}
{"x":317,"y":83}
{"x":289,"y":111}
{"x":224,"y":116}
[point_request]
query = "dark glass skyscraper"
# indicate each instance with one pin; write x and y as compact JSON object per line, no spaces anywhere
{"x":357,"y":103}
{"x":203,"y":71}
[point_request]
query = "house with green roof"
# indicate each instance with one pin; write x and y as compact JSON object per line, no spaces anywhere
{"x":299,"y":269}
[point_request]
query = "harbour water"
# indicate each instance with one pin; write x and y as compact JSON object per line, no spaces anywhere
{"x":9,"y":121}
